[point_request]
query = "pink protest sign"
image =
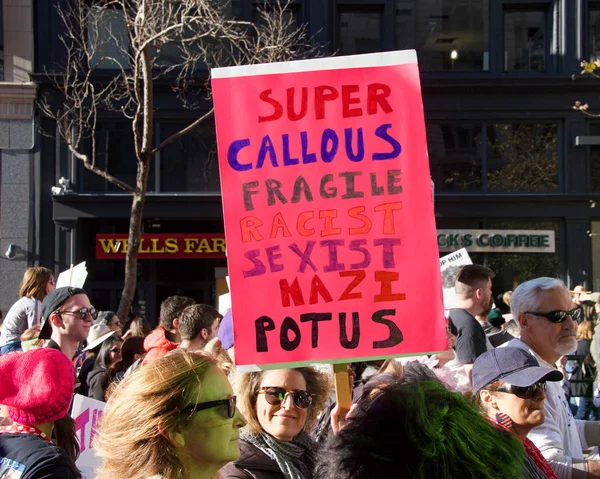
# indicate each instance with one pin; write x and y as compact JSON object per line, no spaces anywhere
{"x":329,"y":224}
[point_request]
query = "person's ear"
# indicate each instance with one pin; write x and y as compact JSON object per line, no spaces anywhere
{"x":174,"y":435}
{"x":56,"y":320}
{"x":176,"y":323}
{"x":488,"y":399}
{"x":523,"y":320}
{"x":204,"y":333}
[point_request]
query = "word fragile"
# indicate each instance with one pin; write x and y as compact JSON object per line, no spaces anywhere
{"x":328,"y":188}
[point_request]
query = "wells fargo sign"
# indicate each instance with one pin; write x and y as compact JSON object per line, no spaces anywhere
{"x":162,"y":246}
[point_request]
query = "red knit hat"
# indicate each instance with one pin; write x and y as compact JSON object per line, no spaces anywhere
{"x":37,"y":385}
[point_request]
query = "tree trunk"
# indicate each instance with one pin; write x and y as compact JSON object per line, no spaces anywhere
{"x":135,"y":234}
{"x":141,"y":183}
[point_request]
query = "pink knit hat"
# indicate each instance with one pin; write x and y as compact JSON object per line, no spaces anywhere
{"x":37,"y":385}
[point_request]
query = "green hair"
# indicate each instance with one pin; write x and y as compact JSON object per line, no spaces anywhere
{"x":419,"y":429}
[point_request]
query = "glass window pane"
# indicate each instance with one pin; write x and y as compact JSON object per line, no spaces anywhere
{"x":513,"y":268}
{"x":522,"y":158}
{"x":455,"y":156}
{"x":595,"y":237}
{"x":525,"y":40}
{"x":107,"y":32}
{"x":116,"y":155}
{"x":447,"y":34}
{"x":595,"y":159}
{"x":360,"y":31}
{"x":189,"y":163}
{"x":594,"y":31}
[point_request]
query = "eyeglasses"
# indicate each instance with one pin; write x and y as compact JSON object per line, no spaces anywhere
{"x":115,"y":350}
{"x":116,"y":323}
{"x":275,"y":396}
{"x":526,"y":392}
{"x":559,"y":316}
{"x":229,"y":402}
{"x":83,"y":312}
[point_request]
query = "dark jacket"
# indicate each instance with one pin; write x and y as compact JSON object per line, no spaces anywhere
{"x":252,"y":463}
{"x":95,"y":387}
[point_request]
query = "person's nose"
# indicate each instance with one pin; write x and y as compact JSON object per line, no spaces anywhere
{"x":540,"y":395}
{"x":239,"y":420}
{"x":288,"y":401}
{"x":570,"y":323}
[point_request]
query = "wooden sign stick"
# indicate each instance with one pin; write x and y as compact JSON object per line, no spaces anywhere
{"x":343,"y":392}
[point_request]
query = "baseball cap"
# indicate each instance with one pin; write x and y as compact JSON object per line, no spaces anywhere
{"x":512,"y":365}
{"x":52,"y":302}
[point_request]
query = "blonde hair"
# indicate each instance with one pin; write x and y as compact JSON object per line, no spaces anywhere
{"x":34,"y":282}
{"x":246,"y":386}
{"x":506,"y":297}
{"x":148,"y":401}
{"x":585,"y":330}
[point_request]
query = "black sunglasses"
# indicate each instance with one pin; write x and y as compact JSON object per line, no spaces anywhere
{"x":276,"y":396}
{"x":83,"y":312}
{"x":201,"y":406}
{"x":559,"y":316}
{"x":526,"y":392}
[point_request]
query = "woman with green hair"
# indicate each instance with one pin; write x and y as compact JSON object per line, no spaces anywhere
{"x":411,"y":426}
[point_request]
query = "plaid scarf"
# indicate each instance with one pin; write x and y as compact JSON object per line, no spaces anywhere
{"x":295,"y":458}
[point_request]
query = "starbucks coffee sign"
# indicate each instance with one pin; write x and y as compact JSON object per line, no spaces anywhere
{"x":497,"y":241}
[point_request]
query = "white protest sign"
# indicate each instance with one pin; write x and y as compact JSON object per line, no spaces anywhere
{"x":75,"y":276}
{"x":224,"y":303}
{"x":86,"y":413}
{"x":449,"y":265}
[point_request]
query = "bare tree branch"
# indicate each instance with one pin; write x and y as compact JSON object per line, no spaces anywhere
{"x":115,"y":52}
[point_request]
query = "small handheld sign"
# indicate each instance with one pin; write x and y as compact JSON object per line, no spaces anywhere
{"x":331,"y":241}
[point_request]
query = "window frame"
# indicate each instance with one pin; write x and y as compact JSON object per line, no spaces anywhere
{"x":550,"y":53}
{"x":387,"y":31}
{"x":484,"y":124}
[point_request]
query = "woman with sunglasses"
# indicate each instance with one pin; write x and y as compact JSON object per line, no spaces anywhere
{"x":27,"y":311}
{"x":175,"y":418}
{"x":281,"y":407}
{"x":97,"y":379}
{"x":509,"y":386}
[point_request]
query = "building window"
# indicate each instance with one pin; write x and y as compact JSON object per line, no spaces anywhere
{"x":593,"y":30}
{"x":448,"y":35}
{"x":595,"y":160}
{"x":595,"y":236}
{"x":522,"y":157}
{"x":116,"y":155}
{"x":455,"y":157}
{"x":517,"y":157}
{"x":525,"y":39}
{"x":513,"y":268}
{"x":360,"y":30}
{"x":189,"y":163}
{"x":108,"y":38}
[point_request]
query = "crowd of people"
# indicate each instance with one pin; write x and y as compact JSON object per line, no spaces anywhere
{"x":513,"y":397}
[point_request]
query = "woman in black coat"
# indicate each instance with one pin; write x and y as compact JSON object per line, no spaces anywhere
{"x":110,"y":352}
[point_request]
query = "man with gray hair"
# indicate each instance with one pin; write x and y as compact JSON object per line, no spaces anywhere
{"x":547,"y":319}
